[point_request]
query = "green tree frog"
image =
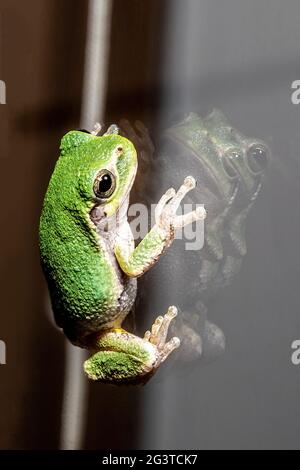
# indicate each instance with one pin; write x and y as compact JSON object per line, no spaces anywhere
{"x":89,"y":258}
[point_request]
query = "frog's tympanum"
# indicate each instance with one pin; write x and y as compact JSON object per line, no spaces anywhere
{"x":89,"y":258}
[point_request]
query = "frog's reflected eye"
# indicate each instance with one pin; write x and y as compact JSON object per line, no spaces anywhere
{"x":257,"y":158}
{"x":228,"y":162}
{"x":105,"y":184}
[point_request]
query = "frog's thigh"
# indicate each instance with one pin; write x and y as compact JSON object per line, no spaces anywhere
{"x":123,"y":357}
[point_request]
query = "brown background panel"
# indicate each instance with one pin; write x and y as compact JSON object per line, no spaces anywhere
{"x":137,"y":45}
{"x":42,"y":45}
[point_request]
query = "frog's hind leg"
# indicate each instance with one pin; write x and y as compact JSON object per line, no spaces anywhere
{"x":122,"y":357}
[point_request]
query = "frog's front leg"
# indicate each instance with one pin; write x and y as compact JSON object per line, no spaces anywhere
{"x":136,"y":261}
{"x":122,"y":357}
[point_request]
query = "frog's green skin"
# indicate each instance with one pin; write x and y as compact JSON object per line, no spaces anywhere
{"x":89,"y":259}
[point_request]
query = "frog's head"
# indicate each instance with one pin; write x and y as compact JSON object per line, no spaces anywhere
{"x":231,"y":164}
{"x":243,"y":159}
{"x":96,"y":174}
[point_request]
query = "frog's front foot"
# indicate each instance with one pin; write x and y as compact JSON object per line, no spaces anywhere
{"x":165,"y":212}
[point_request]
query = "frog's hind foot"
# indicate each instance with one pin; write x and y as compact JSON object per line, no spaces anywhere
{"x":158,"y":335}
{"x":125,"y":358}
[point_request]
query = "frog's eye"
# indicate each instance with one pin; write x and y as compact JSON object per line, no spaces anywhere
{"x":105,"y":184}
{"x":228,"y":162}
{"x":257,"y":158}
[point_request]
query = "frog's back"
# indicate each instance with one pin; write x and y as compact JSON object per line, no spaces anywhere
{"x":87,"y":288}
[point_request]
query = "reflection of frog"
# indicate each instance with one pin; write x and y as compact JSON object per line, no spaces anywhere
{"x":229,"y":168}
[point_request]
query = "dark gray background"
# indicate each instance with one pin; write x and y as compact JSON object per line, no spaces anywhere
{"x":242,"y":58}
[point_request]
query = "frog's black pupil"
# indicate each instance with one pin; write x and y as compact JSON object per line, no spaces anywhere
{"x":258,"y":153}
{"x":258,"y":158}
{"x":105,"y":183}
